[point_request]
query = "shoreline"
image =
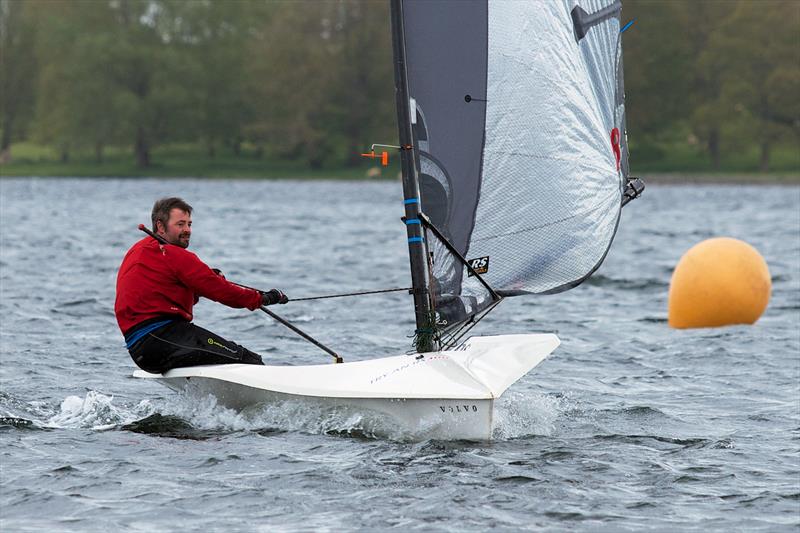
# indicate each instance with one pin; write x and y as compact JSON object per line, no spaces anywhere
{"x":656,"y":178}
{"x":701,"y":178}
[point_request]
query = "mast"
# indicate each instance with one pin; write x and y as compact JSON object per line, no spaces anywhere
{"x":409,"y":162}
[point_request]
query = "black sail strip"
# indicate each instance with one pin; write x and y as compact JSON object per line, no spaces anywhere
{"x":446,"y":58}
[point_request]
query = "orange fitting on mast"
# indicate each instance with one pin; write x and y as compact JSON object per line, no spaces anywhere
{"x":384,"y":157}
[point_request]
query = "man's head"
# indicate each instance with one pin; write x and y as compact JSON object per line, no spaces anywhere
{"x":172,"y":220}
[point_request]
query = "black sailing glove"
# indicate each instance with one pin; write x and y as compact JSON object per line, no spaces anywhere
{"x":273,"y":296}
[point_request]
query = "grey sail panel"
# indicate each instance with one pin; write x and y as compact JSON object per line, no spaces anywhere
{"x":520,"y":141}
{"x":446,"y":60}
{"x":446,"y":47}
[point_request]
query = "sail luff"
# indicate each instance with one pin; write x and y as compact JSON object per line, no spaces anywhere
{"x":417,"y":246}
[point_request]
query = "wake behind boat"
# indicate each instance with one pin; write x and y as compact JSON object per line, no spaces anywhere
{"x":514,"y":159}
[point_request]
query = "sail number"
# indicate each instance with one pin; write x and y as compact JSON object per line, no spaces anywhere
{"x":479,"y":265}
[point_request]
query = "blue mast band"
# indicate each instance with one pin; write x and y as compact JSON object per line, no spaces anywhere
{"x":416,"y":239}
{"x":412,"y":221}
{"x":411,"y":201}
{"x":628,"y":25}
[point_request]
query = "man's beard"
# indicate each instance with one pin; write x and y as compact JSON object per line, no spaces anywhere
{"x":182,"y":240}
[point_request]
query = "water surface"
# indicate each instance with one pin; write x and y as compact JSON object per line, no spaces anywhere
{"x":629,"y":425}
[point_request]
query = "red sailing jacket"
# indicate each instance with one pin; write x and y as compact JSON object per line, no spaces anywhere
{"x":156,"y":280}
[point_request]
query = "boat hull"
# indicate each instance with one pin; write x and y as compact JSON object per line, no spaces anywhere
{"x":440,"y":395}
{"x":404,"y":418}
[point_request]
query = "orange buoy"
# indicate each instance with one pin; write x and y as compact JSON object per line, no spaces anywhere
{"x":719,"y":282}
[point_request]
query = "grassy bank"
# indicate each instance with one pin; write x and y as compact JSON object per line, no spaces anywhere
{"x":681,"y":163}
{"x":744,"y":178}
{"x":684,"y":159}
{"x":176,"y":161}
{"x":677,"y":165}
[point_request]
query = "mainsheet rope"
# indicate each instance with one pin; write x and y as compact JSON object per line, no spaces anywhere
{"x":350,"y":294}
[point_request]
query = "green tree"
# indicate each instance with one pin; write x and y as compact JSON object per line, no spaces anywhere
{"x":323,"y":85}
{"x":288,"y":81}
{"x":359,"y":105}
{"x":658,"y":73}
{"x":18,"y":69}
{"x":758,"y":47}
{"x":114,"y":70}
{"x":701,"y":21}
{"x":76,"y":104}
{"x":213,"y":36}
{"x":148,"y":63}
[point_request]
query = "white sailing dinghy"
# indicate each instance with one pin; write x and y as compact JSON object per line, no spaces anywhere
{"x":513,"y":151}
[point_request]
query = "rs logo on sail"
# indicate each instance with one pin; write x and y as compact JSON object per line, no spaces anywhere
{"x":479,"y":266}
{"x":464,"y":408}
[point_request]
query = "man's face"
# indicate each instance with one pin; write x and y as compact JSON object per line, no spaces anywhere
{"x":179,"y":228}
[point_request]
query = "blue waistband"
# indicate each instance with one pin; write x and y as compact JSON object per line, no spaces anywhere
{"x":136,"y":336}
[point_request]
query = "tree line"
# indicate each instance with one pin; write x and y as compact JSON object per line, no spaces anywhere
{"x":312,"y":81}
{"x":723,"y":75}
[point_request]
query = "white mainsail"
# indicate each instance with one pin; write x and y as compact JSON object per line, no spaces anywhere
{"x":520,"y":132}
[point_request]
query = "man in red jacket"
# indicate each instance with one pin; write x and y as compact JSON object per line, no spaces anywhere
{"x":157,"y":287}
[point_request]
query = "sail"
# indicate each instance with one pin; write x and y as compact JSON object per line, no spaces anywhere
{"x":519,"y":132}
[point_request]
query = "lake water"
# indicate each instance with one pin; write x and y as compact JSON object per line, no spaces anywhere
{"x":629,"y":425}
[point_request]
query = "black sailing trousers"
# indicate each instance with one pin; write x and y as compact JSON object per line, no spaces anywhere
{"x":181,"y":343}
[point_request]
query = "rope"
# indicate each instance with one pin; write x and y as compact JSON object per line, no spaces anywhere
{"x":349,"y":294}
{"x":459,"y":333}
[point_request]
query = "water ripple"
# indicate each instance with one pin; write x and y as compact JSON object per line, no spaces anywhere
{"x":628,"y":426}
